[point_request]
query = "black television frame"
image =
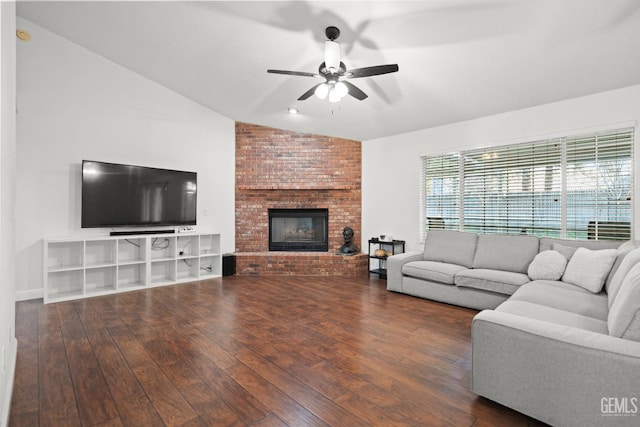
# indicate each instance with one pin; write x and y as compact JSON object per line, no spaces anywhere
{"x":84,"y":223}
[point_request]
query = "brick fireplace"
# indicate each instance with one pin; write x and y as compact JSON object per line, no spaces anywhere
{"x":279,"y":169}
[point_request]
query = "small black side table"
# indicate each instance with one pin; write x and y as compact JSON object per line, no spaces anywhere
{"x":392,"y":247}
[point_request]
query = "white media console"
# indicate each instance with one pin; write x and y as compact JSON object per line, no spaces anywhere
{"x":82,"y":267}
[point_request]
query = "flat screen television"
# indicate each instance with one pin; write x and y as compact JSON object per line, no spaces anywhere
{"x":117,"y":195}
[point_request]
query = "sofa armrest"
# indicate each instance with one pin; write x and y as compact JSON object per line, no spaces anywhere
{"x":557,"y":374}
{"x":394,"y":269}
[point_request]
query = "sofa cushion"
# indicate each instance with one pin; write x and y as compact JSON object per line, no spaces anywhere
{"x":503,"y":282}
{"x":558,"y":284}
{"x":547,"y":265}
{"x":564,"y":296}
{"x":628,"y":262}
{"x":452,"y":247}
{"x":553,"y":315}
{"x":589,"y":269}
{"x":547,"y":243}
{"x":623,"y":250}
{"x":430,"y":270}
{"x":504,"y":252}
{"x":566,"y":251}
{"x":624,"y":316}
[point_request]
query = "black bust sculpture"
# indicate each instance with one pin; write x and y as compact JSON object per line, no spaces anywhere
{"x":348,"y":248}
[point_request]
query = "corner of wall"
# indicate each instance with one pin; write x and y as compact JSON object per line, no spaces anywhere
{"x":9,"y":354}
{"x":8,"y":343}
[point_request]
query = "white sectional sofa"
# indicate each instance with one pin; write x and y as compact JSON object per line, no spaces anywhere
{"x":564,"y":351}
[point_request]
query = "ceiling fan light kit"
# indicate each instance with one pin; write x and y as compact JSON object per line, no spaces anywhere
{"x":335,"y":73}
{"x":322,"y":90}
{"x":334,"y":90}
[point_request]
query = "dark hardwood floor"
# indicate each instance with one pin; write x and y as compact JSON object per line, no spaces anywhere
{"x":249,"y":351}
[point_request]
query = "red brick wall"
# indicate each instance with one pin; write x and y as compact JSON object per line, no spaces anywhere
{"x":282,"y":169}
{"x":268,"y":158}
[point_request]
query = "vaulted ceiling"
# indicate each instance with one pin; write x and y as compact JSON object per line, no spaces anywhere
{"x":458,"y":59}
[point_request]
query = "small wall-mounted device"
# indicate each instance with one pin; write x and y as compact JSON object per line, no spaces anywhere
{"x":23,"y":35}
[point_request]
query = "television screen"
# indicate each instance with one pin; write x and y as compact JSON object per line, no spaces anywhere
{"x":115,"y":195}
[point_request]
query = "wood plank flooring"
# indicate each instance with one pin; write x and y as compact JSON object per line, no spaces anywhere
{"x":249,"y":351}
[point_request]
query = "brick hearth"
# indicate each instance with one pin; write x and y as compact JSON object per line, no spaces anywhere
{"x":300,"y":263}
{"x":282,"y":169}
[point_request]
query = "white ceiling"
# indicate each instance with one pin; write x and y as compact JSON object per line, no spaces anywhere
{"x":458,"y":60}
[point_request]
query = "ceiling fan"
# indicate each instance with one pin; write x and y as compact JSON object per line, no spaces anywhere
{"x":335,"y":73}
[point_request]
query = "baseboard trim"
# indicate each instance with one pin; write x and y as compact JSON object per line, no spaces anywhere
{"x":10,"y":355}
{"x":30,"y":294}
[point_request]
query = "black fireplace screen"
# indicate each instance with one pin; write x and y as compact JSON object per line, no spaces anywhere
{"x":298,"y":230}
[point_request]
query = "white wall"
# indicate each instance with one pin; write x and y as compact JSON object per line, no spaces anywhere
{"x":75,"y":105}
{"x":8,"y":344}
{"x":391,"y":166}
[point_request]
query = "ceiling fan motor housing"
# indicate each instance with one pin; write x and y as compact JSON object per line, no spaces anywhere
{"x":332,"y":33}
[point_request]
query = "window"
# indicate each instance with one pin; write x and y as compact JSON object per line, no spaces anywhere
{"x":442,"y":187}
{"x":572,"y":187}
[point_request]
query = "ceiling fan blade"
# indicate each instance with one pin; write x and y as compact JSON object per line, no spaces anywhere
{"x":308,"y":93}
{"x":371,"y":71}
{"x":294,"y":73}
{"x":355,"y":91}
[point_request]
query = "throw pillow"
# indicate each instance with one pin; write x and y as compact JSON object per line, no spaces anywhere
{"x":566,"y":251}
{"x":589,"y":269}
{"x":547,"y":265}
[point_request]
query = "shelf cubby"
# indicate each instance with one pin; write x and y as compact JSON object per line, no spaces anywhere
{"x":65,"y":255}
{"x":163,"y":248}
{"x":187,"y":245}
{"x":163,"y":272}
{"x":99,"y":253}
{"x":209,"y":244}
{"x":63,"y":285}
{"x":132,"y":275}
{"x":210,"y":266}
{"x":187,"y":268}
{"x":100,"y":280}
{"x":131,"y":250}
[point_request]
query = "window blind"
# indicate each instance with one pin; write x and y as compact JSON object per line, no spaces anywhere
{"x":514,"y":189}
{"x":599,"y":185}
{"x":575,"y":187}
{"x":441,"y":192}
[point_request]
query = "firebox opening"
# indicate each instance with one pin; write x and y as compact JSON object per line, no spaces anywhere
{"x":299,"y":230}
